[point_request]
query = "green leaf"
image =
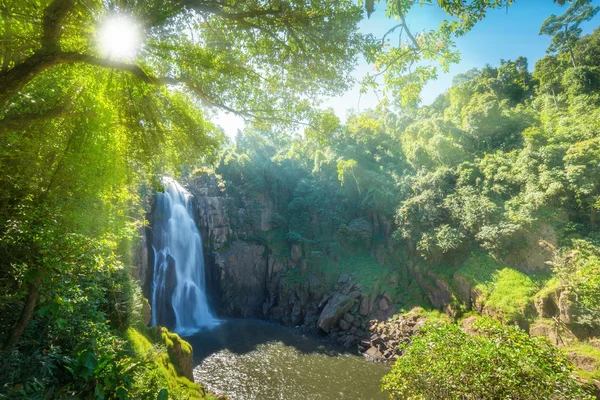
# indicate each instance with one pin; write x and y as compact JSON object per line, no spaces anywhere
{"x":163,"y":394}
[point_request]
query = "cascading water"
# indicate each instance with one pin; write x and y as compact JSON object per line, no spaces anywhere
{"x":178,"y":287}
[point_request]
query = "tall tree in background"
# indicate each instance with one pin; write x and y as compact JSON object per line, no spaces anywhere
{"x":565,"y":29}
{"x":407,"y":59}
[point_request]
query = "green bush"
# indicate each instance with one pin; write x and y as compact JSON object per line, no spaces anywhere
{"x":497,"y":362}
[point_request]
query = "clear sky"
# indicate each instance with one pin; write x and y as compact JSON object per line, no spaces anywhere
{"x":503,"y":34}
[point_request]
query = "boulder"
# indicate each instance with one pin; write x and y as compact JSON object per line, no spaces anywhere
{"x":364,"y":308}
{"x":344,"y":325}
{"x":336,"y":307}
{"x":383,"y":304}
{"x":374,"y":354}
{"x":348,"y":318}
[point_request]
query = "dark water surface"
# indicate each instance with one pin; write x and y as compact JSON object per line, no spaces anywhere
{"x":250,"y":359}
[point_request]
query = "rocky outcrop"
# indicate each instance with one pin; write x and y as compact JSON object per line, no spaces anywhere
{"x":546,"y":305}
{"x":566,"y":307}
{"x":212,"y":210}
{"x":437,"y":290}
{"x":334,"y":310}
{"x":180,"y":352}
{"x":385,"y":337}
{"x":146,"y":312}
{"x":538,"y":246}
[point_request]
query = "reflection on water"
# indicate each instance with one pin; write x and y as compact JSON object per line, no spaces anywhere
{"x":248,"y":359}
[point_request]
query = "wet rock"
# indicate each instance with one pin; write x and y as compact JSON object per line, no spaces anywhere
{"x":243,"y":270}
{"x":297,"y":314}
{"x":350,"y":341}
{"x":334,"y":310}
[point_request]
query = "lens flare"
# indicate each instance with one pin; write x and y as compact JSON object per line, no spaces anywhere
{"x":119,"y":38}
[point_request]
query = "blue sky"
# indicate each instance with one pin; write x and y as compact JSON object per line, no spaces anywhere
{"x":501,"y":35}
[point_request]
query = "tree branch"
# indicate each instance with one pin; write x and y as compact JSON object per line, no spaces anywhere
{"x":203,"y":7}
{"x":408,"y":32}
{"x":53,"y":16}
{"x":138,"y":72}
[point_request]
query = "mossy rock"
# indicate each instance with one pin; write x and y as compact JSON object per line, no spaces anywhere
{"x":163,"y":373}
{"x":180,"y":352}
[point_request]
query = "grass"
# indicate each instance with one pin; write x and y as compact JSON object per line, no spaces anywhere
{"x":366,"y":271}
{"x":511,"y":293}
{"x":506,"y":291}
{"x":433,"y":316}
{"x":587,"y":350}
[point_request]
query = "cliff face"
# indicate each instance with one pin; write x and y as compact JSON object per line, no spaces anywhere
{"x":248,"y":277}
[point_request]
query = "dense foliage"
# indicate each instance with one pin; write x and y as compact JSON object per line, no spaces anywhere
{"x":497,"y":362}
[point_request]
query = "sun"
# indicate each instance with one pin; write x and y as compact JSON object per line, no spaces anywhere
{"x":119,"y":38}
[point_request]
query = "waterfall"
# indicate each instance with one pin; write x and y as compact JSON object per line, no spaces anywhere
{"x":178,"y":287}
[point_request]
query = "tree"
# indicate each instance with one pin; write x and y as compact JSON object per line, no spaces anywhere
{"x":260,"y":60}
{"x":565,"y":29}
{"x":408,"y":65}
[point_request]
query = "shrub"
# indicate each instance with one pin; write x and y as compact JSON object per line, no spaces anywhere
{"x":497,"y":362}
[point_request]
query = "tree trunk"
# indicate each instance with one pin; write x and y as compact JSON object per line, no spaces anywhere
{"x":26,"y":312}
{"x":572,"y":58}
{"x":554,"y":97}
